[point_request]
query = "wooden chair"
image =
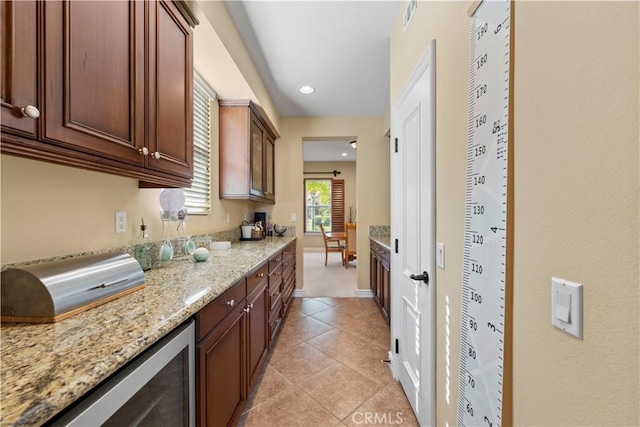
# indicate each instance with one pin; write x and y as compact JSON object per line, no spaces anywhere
{"x":331,"y":245}
{"x":351,"y":248}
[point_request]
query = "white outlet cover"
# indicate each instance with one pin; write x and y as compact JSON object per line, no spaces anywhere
{"x":566,"y":306}
{"x":121,"y":222}
{"x":294,"y":217}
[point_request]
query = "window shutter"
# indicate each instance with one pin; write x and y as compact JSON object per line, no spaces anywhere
{"x":337,"y":205}
{"x":198,"y":196}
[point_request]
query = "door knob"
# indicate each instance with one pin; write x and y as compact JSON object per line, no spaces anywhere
{"x":156,"y":155}
{"x":144,"y":151}
{"x":424,"y":277}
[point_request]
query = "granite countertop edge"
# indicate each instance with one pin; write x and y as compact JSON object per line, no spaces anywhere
{"x":47,"y":367}
{"x":384,"y":241}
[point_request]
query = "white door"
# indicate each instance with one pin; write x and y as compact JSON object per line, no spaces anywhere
{"x":413,"y":225}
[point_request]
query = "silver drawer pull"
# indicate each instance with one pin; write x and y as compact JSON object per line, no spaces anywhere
{"x":106,"y":285}
{"x":231,"y":303}
{"x":260,"y":275}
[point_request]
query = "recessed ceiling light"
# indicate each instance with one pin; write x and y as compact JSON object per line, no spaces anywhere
{"x":307,"y":90}
{"x":344,"y":154}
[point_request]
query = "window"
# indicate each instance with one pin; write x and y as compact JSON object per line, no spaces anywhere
{"x":198,"y":196}
{"x":324,"y":204}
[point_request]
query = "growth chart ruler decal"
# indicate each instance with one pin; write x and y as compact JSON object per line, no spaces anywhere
{"x":485,"y":371}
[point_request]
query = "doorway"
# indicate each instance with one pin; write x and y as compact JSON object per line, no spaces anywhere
{"x":413,"y":229}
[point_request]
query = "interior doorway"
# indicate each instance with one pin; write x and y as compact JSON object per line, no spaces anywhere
{"x":329,"y":201}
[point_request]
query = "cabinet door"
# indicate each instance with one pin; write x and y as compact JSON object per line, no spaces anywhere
{"x":257,"y":329}
{"x":385,"y":285}
{"x":222,"y":388}
{"x":93,"y":79}
{"x":19,"y":69}
{"x":257,"y":152}
{"x":269,"y":175}
{"x":170,"y":108}
{"x":373,"y":272}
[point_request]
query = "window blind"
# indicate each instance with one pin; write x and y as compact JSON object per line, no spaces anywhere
{"x":198,"y":196}
{"x":337,"y":205}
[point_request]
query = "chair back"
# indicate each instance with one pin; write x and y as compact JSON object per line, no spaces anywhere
{"x":324,"y":235}
{"x":352,"y":240}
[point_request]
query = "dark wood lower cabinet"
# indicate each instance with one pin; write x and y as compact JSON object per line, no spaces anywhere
{"x":222,"y":384}
{"x":380,"y":278}
{"x":234,"y":333}
{"x":257,"y":331}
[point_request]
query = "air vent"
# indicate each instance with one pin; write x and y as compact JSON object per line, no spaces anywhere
{"x":408,"y":14}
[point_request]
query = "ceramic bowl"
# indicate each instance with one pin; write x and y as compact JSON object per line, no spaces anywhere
{"x":201,"y":254}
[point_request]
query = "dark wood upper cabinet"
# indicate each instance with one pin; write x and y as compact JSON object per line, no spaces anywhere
{"x":247,"y":152}
{"x":93,"y":72}
{"x":170,"y":91}
{"x":114,"y":81}
{"x":19,"y":41}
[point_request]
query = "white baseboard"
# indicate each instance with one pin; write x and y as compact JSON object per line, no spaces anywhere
{"x":298,"y":293}
{"x":364,"y":293}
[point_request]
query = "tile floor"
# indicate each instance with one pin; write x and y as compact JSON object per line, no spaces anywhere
{"x":326,"y":370}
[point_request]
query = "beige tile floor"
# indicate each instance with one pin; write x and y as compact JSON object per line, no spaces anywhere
{"x":326,"y":370}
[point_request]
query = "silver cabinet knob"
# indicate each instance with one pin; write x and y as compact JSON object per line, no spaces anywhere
{"x":30,"y":111}
{"x":156,"y":155}
{"x":231,"y":303}
{"x":144,"y":151}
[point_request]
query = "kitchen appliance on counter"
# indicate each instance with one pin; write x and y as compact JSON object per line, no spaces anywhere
{"x":52,"y":291}
{"x":157,"y":388}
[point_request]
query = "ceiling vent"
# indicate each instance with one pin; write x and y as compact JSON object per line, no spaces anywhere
{"x":408,"y":14}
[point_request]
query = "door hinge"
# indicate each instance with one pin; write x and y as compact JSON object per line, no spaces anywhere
{"x":397,"y":346}
{"x":396,"y":145}
{"x":396,"y":245}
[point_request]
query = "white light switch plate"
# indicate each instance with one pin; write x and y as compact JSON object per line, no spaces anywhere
{"x":566,"y":306}
{"x":440,"y":255}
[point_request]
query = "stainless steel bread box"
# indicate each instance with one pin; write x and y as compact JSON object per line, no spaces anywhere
{"x":49,"y":292}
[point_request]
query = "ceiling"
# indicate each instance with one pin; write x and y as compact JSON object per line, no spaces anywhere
{"x":328,"y":151}
{"x":341,"y":48}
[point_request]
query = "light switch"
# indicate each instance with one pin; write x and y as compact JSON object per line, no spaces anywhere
{"x":566,"y":306}
{"x":563,"y":306}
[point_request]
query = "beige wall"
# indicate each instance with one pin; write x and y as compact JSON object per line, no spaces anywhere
{"x":49,"y":210}
{"x":372,"y":175}
{"x":576,"y":200}
{"x":348,"y":174}
{"x":217,"y":14}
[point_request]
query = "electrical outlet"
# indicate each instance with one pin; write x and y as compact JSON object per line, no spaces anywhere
{"x":294,"y":217}
{"x":121,"y":222}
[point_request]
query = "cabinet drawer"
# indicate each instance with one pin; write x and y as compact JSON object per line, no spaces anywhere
{"x":275,"y":261}
{"x":274,"y":298}
{"x":216,"y":310}
{"x":275,"y":277}
{"x":274,"y":324}
{"x":380,"y":251}
{"x":289,"y":250}
{"x":257,"y":277}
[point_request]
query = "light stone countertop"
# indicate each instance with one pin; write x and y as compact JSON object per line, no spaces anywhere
{"x":382,"y":240}
{"x":46,"y":367}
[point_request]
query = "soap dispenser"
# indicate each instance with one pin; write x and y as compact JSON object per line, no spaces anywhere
{"x":142,"y":249}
